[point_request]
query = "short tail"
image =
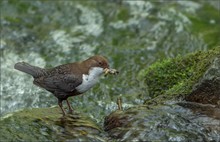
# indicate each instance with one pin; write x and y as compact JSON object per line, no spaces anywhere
{"x":29,"y":69}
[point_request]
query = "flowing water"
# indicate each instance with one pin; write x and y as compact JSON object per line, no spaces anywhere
{"x":131,"y":34}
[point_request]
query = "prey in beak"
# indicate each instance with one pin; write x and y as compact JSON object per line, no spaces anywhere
{"x":110,"y":71}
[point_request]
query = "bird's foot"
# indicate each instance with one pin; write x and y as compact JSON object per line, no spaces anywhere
{"x":70,"y":108}
{"x":61,"y":107}
{"x":70,"y":111}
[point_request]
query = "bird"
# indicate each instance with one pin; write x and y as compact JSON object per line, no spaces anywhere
{"x":69,"y":79}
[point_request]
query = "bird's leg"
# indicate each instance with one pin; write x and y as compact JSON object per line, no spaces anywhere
{"x":69,"y":106}
{"x":61,"y":106}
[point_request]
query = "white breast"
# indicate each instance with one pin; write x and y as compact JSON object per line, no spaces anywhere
{"x":90,"y":80}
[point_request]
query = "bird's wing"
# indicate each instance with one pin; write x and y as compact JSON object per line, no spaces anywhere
{"x":61,"y":82}
{"x":60,"y":79}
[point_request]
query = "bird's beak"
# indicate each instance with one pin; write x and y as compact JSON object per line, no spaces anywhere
{"x":110,"y":71}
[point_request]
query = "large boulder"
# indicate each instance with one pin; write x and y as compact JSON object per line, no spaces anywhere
{"x":167,"y":122}
{"x":167,"y":116}
{"x":47,"y":124}
{"x":207,"y":90}
{"x":196,"y":77}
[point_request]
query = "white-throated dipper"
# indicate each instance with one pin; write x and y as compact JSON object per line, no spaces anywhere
{"x":69,"y":79}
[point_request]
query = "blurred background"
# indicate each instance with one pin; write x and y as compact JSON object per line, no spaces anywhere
{"x":131,"y":34}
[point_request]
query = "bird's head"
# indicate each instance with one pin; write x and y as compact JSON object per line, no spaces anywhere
{"x":100,"y":64}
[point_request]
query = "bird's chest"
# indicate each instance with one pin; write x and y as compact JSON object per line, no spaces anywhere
{"x":88,"y":81}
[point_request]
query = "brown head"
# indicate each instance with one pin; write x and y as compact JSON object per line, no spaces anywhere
{"x":97,"y":61}
{"x":100,"y":63}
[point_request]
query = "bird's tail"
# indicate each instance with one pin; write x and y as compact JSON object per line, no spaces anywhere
{"x":29,"y":69}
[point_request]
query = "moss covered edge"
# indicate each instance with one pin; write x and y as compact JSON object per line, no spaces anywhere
{"x":177,"y":76}
{"x":47,"y":124}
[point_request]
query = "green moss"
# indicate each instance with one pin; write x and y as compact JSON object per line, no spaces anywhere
{"x":177,"y":76}
{"x":43,"y":124}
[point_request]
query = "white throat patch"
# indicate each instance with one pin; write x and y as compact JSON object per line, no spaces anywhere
{"x":90,"y":80}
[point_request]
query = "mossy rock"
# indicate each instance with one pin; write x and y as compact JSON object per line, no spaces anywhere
{"x":167,"y":122}
{"x":178,"y":76}
{"x":47,"y":124}
{"x":207,"y":90}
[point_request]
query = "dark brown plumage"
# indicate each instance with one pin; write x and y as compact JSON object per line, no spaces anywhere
{"x":69,"y":79}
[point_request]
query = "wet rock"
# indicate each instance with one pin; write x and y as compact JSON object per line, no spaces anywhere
{"x":168,"y":122}
{"x":207,"y":90}
{"x":195,"y":77}
{"x":47,"y":124}
{"x":204,"y":109}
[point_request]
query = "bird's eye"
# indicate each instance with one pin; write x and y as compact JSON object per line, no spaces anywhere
{"x":100,"y":63}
